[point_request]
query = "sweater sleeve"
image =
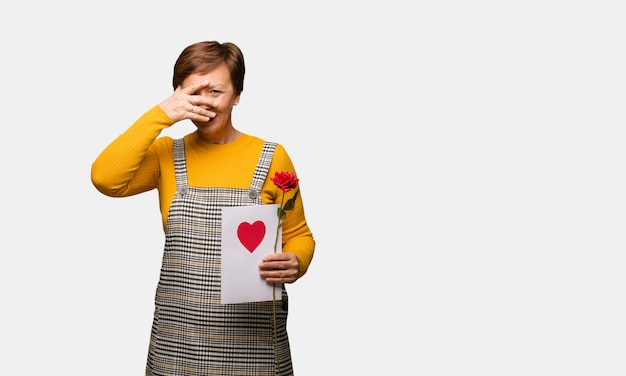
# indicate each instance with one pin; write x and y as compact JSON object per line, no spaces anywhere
{"x":297,"y":236}
{"x":130,"y":165}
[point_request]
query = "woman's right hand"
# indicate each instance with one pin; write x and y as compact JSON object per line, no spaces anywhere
{"x":185,"y":104}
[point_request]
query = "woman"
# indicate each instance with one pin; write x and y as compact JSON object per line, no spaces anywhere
{"x":213,"y":167}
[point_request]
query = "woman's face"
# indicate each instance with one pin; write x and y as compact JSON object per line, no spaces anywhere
{"x":218,"y":97}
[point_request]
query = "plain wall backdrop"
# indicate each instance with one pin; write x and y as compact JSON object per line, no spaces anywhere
{"x":461,"y":164}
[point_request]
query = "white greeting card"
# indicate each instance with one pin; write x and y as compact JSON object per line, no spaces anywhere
{"x":248,"y":234}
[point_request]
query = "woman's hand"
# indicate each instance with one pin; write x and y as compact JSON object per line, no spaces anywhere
{"x":280,"y":267}
{"x":185,"y":104}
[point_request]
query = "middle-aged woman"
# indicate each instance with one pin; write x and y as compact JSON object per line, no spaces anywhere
{"x":215,"y":166}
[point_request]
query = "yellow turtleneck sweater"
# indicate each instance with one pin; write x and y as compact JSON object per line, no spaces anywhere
{"x":139,"y":161}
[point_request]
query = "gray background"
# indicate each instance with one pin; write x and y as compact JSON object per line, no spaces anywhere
{"x":461,"y":165}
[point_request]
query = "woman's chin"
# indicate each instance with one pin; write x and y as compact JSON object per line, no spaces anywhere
{"x":205,"y":126}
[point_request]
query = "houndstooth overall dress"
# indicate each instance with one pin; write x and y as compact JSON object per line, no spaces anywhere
{"x":192,"y":333}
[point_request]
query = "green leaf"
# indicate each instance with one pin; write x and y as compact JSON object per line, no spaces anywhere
{"x":292,"y":201}
{"x":281,"y":215}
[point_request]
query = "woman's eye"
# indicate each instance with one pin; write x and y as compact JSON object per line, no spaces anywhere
{"x":207,"y":92}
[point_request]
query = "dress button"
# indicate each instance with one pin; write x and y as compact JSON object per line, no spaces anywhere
{"x":254,"y":193}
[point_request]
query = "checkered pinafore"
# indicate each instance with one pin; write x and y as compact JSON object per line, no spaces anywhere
{"x":192,"y":333}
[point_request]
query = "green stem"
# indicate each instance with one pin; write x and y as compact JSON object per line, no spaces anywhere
{"x":275,"y":337}
{"x":274,"y":293}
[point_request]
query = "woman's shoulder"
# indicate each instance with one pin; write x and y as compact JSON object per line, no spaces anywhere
{"x":163,"y":143}
{"x":258,"y":142}
{"x":162,"y":148}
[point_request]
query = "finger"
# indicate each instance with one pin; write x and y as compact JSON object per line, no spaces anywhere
{"x":273,"y":265}
{"x":200,"y":113}
{"x":279,"y":273}
{"x":193,"y":88}
{"x":285,"y":278}
{"x":275,"y":257}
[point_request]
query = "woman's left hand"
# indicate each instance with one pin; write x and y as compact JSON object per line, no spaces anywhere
{"x":280,"y":267}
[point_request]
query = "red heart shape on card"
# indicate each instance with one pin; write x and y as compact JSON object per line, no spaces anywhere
{"x":251,"y":235}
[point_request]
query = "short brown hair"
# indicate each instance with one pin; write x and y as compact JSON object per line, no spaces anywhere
{"x":203,"y":57}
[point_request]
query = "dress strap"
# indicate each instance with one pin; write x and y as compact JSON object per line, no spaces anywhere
{"x":180,"y":166}
{"x":260,"y":173}
{"x":258,"y":178}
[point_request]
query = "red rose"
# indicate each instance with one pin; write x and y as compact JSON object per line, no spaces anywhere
{"x":286,"y":181}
